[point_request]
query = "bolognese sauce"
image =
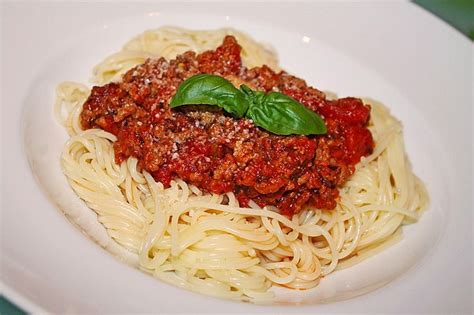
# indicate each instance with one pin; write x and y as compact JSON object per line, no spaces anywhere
{"x":206,"y":147}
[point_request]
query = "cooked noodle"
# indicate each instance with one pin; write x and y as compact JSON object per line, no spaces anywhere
{"x":206,"y":242}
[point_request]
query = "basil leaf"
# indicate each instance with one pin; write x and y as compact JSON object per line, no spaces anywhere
{"x":275,"y":112}
{"x":248,"y":91}
{"x":211,"y":90}
{"x":282,"y":115}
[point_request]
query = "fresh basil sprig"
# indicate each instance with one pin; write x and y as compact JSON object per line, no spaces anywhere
{"x":275,"y":112}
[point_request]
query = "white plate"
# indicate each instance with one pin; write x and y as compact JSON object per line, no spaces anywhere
{"x":392,"y":52}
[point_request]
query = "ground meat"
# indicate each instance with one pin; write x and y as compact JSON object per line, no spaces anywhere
{"x":206,"y":147}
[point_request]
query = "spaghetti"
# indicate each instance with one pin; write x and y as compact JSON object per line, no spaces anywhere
{"x":207,"y":242}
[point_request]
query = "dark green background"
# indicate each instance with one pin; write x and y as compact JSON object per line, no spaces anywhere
{"x":458,"y":13}
{"x":7,"y":308}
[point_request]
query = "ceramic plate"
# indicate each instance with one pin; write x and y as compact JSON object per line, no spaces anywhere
{"x":391,"y":51}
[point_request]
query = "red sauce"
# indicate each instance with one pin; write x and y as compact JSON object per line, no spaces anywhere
{"x":204,"y":146}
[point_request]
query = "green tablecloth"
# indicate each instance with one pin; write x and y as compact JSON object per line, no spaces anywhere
{"x":458,"y":13}
{"x":7,"y":308}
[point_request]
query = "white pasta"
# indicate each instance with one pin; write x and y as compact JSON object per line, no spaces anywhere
{"x":199,"y":242}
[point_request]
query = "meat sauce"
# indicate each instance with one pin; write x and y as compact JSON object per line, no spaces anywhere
{"x":217,"y":153}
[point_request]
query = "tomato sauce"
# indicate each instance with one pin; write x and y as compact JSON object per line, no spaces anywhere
{"x":206,"y":147}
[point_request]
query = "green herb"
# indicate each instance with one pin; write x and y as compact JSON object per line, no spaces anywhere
{"x":211,"y":90}
{"x":275,"y":112}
